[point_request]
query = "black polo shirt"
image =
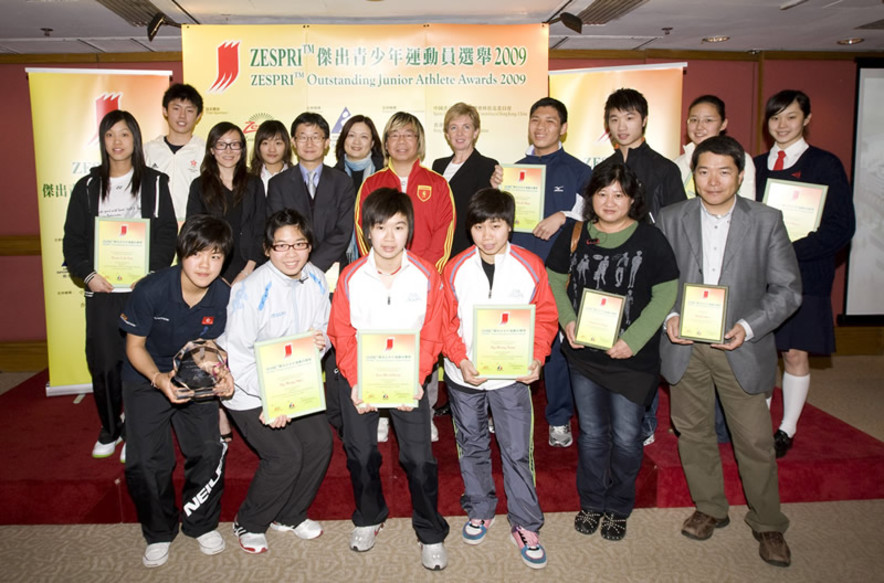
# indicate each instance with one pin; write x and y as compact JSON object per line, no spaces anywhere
{"x":157,"y":311}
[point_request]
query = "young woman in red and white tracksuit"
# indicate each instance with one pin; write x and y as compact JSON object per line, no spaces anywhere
{"x":390,"y":289}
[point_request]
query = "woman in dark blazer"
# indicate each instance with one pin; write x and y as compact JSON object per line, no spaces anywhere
{"x":467,"y":171}
{"x":226,"y":189}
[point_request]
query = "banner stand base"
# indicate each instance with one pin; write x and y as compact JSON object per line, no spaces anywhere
{"x":62,"y":390}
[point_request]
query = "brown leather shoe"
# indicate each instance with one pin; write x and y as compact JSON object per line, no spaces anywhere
{"x":773,"y":548}
{"x":700,"y":526}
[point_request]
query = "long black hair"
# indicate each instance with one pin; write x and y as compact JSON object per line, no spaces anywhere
{"x":211,"y":186}
{"x":107,"y":122}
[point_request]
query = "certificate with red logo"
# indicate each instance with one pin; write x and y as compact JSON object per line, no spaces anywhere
{"x":703,"y":313}
{"x":289,"y":376}
{"x":598,"y":322}
{"x":800,"y":202}
{"x":503,"y":340}
{"x":122,"y":251}
{"x":389,"y":367}
{"x":527,"y":183}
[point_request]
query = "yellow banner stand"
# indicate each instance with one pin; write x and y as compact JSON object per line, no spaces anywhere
{"x":66,"y":108}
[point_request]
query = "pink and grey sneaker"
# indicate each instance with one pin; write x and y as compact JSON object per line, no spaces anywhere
{"x":474,"y":530}
{"x":530,"y":548}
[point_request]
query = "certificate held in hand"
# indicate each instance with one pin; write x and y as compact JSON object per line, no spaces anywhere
{"x":703,"y":313}
{"x":800,"y":202}
{"x":122,"y":250}
{"x":598,"y":323}
{"x":527,"y":184}
{"x":389,"y":367}
{"x":290,"y":376}
{"x":503,"y":340}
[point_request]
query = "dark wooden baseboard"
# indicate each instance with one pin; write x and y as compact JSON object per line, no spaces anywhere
{"x":856,"y":340}
{"x":23,"y":356}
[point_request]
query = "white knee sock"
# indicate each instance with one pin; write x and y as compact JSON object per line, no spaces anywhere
{"x":794,"y":396}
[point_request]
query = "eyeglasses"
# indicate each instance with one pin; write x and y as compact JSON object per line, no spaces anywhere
{"x":317,"y":139}
{"x":283,"y":247}
{"x":406,"y":136}
{"x":221,"y":146}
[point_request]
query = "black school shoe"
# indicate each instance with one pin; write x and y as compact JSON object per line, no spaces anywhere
{"x":782,"y":443}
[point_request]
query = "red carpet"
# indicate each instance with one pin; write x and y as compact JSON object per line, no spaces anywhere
{"x":49,"y":477}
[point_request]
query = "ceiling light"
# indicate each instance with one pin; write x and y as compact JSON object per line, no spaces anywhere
{"x":851,"y":41}
{"x":718,"y":38}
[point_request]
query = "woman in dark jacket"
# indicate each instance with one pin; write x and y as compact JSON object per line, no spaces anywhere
{"x":122,"y":187}
{"x":226,"y":189}
{"x":467,"y":171}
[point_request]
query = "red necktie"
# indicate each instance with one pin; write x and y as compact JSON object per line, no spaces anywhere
{"x":781,"y":157}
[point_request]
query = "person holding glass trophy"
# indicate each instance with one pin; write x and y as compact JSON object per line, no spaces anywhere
{"x":164,"y":391}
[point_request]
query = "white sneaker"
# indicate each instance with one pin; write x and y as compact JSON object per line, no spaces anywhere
{"x":383,"y":429}
{"x":362,"y":538}
{"x":434,"y":433}
{"x":434,"y":557}
{"x":491,"y":425}
{"x":156,"y":555}
{"x":649,"y":440}
{"x":103,"y":450}
{"x":253,"y":543}
{"x":123,"y":454}
{"x":307,"y":530}
{"x":211,"y":543}
{"x":560,"y":435}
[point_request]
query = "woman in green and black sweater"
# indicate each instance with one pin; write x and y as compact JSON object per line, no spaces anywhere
{"x":616,"y":252}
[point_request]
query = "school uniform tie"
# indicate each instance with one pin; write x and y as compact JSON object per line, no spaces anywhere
{"x":781,"y":158}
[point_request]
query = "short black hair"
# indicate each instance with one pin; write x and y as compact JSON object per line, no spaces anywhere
{"x":722,"y":146}
{"x":184,"y":92}
{"x":201,"y":232}
{"x":286,"y":218}
{"x":490,"y":203}
{"x":382,"y":204}
{"x":310,"y":118}
{"x":555,"y":104}
{"x":608,"y":173}
{"x":780,"y":101}
{"x":626,"y":100}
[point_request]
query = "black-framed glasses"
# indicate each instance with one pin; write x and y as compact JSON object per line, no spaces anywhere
{"x":283,"y":247}
{"x":235,"y":146}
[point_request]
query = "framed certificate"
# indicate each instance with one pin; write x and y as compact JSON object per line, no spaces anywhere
{"x":122,"y":250}
{"x":503,"y":340}
{"x":389,"y":367}
{"x":290,"y":376}
{"x":800,"y":202}
{"x":526,"y":182}
{"x":703,"y":313}
{"x":598,"y":322}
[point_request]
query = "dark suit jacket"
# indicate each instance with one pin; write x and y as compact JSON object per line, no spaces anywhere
{"x":764,"y":284}
{"x":474,"y":175}
{"x":331,"y":216}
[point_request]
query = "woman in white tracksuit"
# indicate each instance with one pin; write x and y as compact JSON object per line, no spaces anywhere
{"x":285,"y":296}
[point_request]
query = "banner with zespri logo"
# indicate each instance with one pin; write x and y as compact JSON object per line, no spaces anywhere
{"x":248,"y":74}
